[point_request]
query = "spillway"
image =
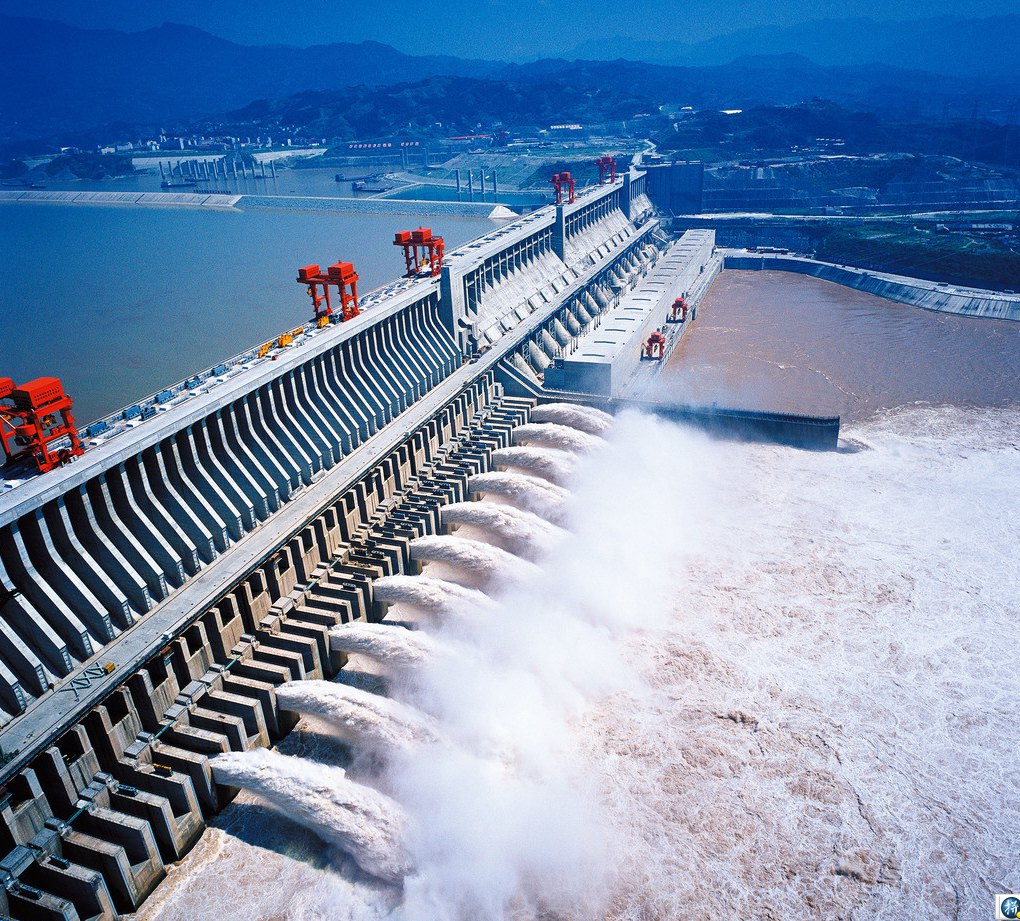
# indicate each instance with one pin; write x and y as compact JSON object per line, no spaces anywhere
{"x":435,"y":596}
{"x":396,"y":647}
{"x":519,"y":532}
{"x":548,"y":463}
{"x":367,"y":719}
{"x":480,"y":563}
{"x":233,"y":534}
{"x":355,"y":818}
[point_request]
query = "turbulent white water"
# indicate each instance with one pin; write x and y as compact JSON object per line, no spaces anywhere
{"x":515,"y":530}
{"x":474,"y":561}
{"x":395,"y":647}
{"x":526,"y":492}
{"x":367,"y":719}
{"x":549,"y":463}
{"x":751,"y":682}
{"x":435,"y":596}
{"x":361,"y":821}
{"x":584,"y":418}
{"x":551,"y":435}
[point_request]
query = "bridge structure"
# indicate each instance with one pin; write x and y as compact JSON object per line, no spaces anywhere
{"x":156,"y":591}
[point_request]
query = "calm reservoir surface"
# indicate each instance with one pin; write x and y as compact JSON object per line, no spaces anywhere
{"x":120,"y":301}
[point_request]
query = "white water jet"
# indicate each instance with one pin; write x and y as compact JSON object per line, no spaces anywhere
{"x":550,"y":435}
{"x":526,"y":492}
{"x":522,"y":533}
{"x":437,"y":596}
{"x":550,"y":464}
{"x":363,"y":717}
{"x":584,"y":418}
{"x":393,"y":646}
{"x":358,"y":820}
{"x":480,"y":562}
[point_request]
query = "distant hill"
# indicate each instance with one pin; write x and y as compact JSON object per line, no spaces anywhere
{"x":60,"y":84}
{"x":55,"y":77}
{"x":952,"y":45}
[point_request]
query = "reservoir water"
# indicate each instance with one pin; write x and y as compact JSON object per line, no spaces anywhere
{"x":751,"y":682}
{"x":120,"y":301}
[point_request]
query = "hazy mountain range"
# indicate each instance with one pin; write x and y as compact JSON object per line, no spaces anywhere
{"x":56,"y":79}
{"x":944,"y":45}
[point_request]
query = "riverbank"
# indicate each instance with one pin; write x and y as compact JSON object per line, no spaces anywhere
{"x":290,"y":202}
{"x":928,"y":295}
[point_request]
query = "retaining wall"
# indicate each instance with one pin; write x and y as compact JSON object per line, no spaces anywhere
{"x":944,"y":298}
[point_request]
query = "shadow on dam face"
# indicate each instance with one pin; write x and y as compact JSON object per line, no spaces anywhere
{"x":817,"y":433}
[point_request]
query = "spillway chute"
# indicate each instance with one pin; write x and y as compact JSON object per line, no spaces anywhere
{"x":515,"y":530}
{"x":435,"y":596}
{"x":554,"y":435}
{"x":475,"y":561}
{"x":362,"y":822}
{"x":393,"y":646}
{"x":367,"y":719}
{"x":550,"y":464}
{"x":526,"y":492}
{"x":583,"y":418}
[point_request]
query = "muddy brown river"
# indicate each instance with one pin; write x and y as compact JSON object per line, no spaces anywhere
{"x":774,"y":340}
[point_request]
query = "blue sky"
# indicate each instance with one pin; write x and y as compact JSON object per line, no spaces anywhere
{"x":478,"y":28}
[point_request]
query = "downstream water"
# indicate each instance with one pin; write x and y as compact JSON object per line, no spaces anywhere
{"x":746,"y":681}
{"x":120,"y":301}
{"x":774,"y":340}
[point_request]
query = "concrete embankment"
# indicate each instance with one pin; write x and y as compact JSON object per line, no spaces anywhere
{"x":929,"y":295}
{"x":219,"y":200}
{"x":180,"y":199}
{"x":369,"y":205}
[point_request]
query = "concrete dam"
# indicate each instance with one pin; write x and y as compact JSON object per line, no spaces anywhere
{"x":158,"y":591}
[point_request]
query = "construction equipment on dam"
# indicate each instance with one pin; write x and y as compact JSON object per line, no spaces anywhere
{"x":340,"y":275}
{"x":155,"y":593}
{"x":423,"y":252}
{"x":36,"y":424}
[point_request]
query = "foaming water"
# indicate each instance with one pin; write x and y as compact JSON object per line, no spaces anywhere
{"x":585,"y":418}
{"x":821,"y":720}
{"x":393,"y":646}
{"x":551,"y":464}
{"x":515,"y":530}
{"x":551,"y":435}
{"x":436,"y":596}
{"x":526,"y":492}
{"x":361,"y":821}
{"x":367,"y":719}
{"x":760,"y":681}
{"x":473,"y":561}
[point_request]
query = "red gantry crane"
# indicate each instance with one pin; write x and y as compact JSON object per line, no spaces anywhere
{"x":607,"y":169}
{"x":654,"y":348}
{"x":344,"y":278}
{"x":678,"y":312}
{"x":429,"y":261}
{"x":33,"y":417}
{"x":563,"y":182}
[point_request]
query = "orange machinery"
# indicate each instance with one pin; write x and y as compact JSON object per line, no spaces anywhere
{"x":607,"y":169}
{"x":33,"y":417}
{"x":654,"y":348}
{"x":563,"y":182}
{"x":344,"y":278}
{"x":430,"y":259}
{"x":678,"y":312}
